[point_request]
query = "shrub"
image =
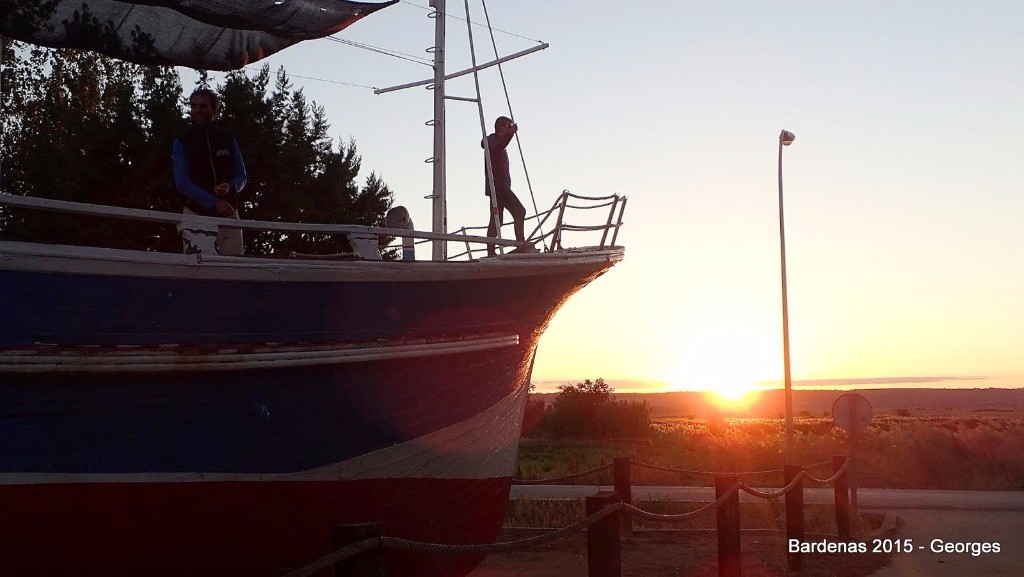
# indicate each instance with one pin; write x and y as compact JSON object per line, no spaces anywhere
{"x":532,"y":416}
{"x":587,"y":411}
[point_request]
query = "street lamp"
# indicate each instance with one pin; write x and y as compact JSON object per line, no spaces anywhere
{"x":785,"y":139}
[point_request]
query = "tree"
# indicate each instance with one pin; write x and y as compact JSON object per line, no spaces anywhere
{"x":89,"y":129}
{"x":295,"y":172}
{"x":533,"y":413}
{"x":586,"y":410}
{"x":79,"y":126}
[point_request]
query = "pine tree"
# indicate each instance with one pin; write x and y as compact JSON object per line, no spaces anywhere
{"x":79,"y":126}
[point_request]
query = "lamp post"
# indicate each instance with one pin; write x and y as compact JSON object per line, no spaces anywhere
{"x":785,"y":139}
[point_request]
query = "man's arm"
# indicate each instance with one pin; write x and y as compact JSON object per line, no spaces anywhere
{"x":498,"y":142}
{"x":183,"y":183}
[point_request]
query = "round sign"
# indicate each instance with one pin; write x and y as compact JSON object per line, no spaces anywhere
{"x":852,"y":412}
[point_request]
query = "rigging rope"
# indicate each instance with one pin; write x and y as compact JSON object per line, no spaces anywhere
{"x":511,"y":115}
{"x":472,"y":23}
{"x":253,"y":68}
{"x":385,"y":51}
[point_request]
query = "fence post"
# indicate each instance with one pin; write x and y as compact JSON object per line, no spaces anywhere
{"x":842,"y":498}
{"x":603,"y":557}
{"x":728,"y":517}
{"x":794,"y":513}
{"x":621,"y":468}
{"x":369,"y":564}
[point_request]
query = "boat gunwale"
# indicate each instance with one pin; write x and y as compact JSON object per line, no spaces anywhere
{"x":54,"y":258}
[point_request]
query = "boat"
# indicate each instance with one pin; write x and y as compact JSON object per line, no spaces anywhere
{"x":139,"y":437}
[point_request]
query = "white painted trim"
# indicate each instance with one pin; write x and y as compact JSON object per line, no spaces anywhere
{"x":93,"y":360}
{"x":481,"y":447}
{"x":212,"y":223}
{"x":32,"y":257}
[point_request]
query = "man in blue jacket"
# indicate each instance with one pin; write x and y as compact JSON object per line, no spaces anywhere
{"x":209,"y":171}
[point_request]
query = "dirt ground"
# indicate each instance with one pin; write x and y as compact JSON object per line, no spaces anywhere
{"x":675,"y":554}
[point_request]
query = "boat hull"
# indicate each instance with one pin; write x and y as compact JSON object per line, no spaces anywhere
{"x":167,"y":416}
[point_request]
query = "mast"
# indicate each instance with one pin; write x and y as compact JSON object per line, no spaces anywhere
{"x":440,"y":212}
{"x":439,"y":222}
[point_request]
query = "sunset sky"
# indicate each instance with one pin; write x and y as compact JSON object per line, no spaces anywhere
{"x":904,"y":188}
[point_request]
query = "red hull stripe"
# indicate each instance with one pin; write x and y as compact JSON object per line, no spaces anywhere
{"x":243,"y":529}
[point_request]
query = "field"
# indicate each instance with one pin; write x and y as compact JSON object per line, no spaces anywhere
{"x":912,"y":445}
{"x":972,"y":451}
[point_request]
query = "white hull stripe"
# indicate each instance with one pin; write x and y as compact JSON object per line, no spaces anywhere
{"x":173,"y":359}
{"x":481,"y":447}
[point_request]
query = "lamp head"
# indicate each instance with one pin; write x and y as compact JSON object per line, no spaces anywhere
{"x":786,"y":137}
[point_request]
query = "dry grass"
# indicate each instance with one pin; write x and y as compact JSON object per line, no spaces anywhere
{"x":937,"y":452}
{"x":762,"y":514}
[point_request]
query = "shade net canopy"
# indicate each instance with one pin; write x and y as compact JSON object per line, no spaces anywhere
{"x":203,"y":34}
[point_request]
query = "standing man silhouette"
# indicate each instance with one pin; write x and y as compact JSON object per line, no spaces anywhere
{"x":504,"y":130}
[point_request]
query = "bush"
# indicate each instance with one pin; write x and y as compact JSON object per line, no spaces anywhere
{"x":533,"y":415}
{"x":587,"y":411}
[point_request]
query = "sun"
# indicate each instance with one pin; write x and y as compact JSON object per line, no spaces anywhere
{"x":733,"y":393}
{"x":726,"y":363}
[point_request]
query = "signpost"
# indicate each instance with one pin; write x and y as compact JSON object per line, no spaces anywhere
{"x":852,"y":413}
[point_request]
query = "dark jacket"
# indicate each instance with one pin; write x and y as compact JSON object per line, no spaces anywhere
{"x":205,"y":156}
{"x":499,"y":163}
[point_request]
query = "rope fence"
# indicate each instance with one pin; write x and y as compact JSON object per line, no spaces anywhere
{"x":609,"y":515}
{"x":711,"y":473}
{"x":662,"y":468}
{"x":552,"y":480}
{"x":842,"y":471}
{"x":705,"y":510}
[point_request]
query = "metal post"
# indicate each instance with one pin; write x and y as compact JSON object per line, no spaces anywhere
{"x":603,"y":548}
{"x":488,"y":169}
{"x":728,"y":519}
{"x":623,"y":486}
{"x":440,"y":216}
{"x":794,"y":513}
{"x":622,"y":209}
{"x":790,"y":458}
{"x":851,"y":473}
{"x":369,"y":564}
{"x":556,"y":239}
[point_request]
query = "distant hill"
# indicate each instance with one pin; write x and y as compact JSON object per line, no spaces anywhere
{"x":819,"y":402}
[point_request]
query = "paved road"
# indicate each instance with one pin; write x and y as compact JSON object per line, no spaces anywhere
{"x":958,"y":530}
{"x":885,"y":499}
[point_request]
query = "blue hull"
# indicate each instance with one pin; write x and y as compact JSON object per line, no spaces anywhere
{"x":66,"y":309}
{"x":248,"y":422}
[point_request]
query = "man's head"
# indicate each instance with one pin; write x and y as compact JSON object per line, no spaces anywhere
{"x":204,"y":106}
{"x":502,"y":124}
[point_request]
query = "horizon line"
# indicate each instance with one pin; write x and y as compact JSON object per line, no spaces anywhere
{"x":646,"y":385}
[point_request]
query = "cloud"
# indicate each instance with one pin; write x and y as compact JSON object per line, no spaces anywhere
{"x":880,"y":381}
